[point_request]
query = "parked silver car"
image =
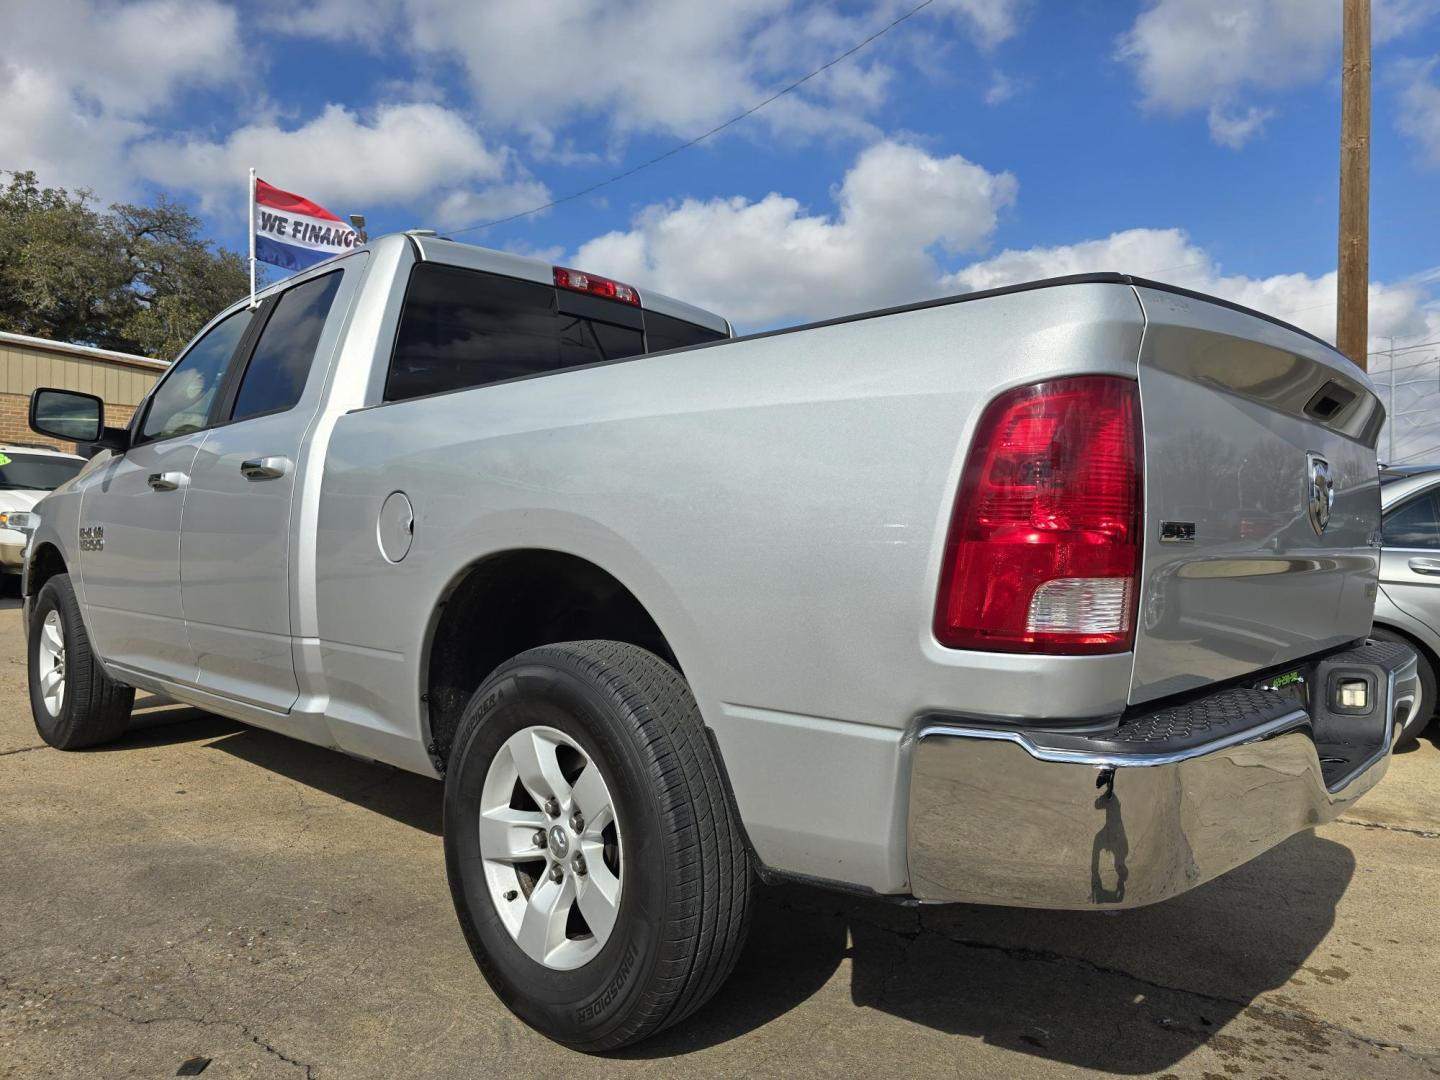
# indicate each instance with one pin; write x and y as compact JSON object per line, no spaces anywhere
{"x":1408,"y":606}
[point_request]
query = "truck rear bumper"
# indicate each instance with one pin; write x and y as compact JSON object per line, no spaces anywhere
{"x":1029,"y":818}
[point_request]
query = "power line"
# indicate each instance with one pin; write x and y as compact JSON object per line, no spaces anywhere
{"x":1411,"y":456}
{"x":699,"y":138}
{"x":1404,"y":367}
{"x":1404,"y":348}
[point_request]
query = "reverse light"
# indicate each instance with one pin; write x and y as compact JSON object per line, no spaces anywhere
{"x":1044,"y":548}
{"x":579,"y":281}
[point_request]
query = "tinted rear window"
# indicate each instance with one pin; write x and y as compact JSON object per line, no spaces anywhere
{"x":662,"y":332}
{"x":463,"y":328}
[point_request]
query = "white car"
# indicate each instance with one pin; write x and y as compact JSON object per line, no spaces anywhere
{"x":27,"y":475}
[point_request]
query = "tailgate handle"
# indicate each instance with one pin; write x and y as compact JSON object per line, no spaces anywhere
{"x":1327,"y":402}
{"x":1425,"y":566}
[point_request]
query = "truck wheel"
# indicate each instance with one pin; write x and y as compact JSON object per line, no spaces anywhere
{"x":1425,"y":677}
{"x":75,"y":704}
{"x":595,"y":858}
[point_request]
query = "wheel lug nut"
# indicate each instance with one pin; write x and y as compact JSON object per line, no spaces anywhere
{"x":557,"y":873}
{"x":539,"y":838}
{"x":577,"y":823}
{"x":552,"y":808}
{"x":579,"y":864}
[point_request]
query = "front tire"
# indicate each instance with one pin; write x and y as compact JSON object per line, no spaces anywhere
{"x":596,"y":862}
{"x":74,"y":703}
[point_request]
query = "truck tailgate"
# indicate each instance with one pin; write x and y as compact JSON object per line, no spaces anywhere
{"x":1242,"y":418}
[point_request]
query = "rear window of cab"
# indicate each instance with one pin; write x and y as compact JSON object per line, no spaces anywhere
{"x":464,"y":328}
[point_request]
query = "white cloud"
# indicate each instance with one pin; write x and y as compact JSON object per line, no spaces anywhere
{"x":1400,"y":309}
{"x":990,"y":21}
{"x":1190,"y":54}
{"x":1236,"y":129}
{"x":1210,"y":54}
{"x":80,"y":80}
{"x":1001,"y":89}
{"x":675,"y":67}
{"x":398,"y":154}
{"x":1419,"y":115}
{"x":465,"y":207}
{"x":770,"y":260}
{"x":1391,"y":19}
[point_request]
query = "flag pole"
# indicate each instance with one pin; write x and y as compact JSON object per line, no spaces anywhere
{"x":250,"y":215}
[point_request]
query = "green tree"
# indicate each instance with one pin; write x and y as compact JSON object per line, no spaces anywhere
{"x":135,"y":278}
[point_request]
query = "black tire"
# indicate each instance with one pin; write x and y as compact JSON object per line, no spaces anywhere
{"x":1425,"y":674}
{"x":684,"y":905}
{"x":95,"y":709}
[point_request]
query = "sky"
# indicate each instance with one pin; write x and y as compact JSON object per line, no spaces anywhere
{"x":976,"y":143}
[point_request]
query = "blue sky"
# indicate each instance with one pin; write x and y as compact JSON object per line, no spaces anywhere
{"x":980,"y":142}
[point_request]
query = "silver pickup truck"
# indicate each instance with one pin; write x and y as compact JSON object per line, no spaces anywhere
{"x":1055,"y":595}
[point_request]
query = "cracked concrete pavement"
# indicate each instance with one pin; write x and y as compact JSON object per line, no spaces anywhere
{"x":207,"y":889}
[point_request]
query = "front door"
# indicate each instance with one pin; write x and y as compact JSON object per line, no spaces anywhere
{"x":130,"y":516}
{"x":235,"y":558}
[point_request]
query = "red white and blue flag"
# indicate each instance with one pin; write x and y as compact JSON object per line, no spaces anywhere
{"x":293,"y":232}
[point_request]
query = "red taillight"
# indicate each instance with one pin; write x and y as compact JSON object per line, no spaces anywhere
{"x":1044,"y":547}
{"x":579,"y":281}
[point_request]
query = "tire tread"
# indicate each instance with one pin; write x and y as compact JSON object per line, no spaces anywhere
{"x":97,"y":707}
{"x":708,"y":894}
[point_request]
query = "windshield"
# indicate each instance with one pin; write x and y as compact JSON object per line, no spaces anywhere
{"x":35,"y":472}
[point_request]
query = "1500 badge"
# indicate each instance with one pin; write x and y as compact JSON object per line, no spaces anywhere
{"x":92,"y":538}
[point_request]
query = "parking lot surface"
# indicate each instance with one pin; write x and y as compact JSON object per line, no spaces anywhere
{"x":206,"y":890}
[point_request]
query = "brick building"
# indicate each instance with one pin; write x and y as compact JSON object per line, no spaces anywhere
{"x":119,"y":379}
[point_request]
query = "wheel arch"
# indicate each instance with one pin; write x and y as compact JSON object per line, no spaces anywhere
{"x":45,"y":562}
{"x":1417,"y":640}
{"x":506,"y":602}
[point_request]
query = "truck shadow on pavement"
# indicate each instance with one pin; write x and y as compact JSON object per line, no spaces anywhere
{"x":1128,"y":992}
{"x":1131,"y":992}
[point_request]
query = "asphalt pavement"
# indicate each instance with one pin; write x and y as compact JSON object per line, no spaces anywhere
{"x":203,"y":890}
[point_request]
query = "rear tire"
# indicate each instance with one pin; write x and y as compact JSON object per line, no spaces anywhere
{"x":677,"y":862}
{"x":1425,"y":676}
{"x":74,"y":703}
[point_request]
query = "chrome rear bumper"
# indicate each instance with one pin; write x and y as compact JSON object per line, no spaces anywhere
{"x":1022,"y":818}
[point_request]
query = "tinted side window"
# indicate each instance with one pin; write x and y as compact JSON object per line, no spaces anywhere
{"x":280,"y":365}
{"x":463,"y":328}
{"x":662,"y":332}
{"x":1414,"y":525}
{"x":181,"y":403}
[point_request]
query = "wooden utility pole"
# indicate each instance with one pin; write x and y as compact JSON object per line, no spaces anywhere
{"x":1352,"y":298}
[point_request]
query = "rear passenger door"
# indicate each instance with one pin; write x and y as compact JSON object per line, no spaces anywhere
{"x":236,"y":542}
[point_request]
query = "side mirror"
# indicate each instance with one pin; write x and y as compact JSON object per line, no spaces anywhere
{"x":69,"y":414}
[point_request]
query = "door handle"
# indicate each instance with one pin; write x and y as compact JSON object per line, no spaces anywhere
{"x":265,"y":468}
{"x":1425,"y":566}
{"x":165,"y":481}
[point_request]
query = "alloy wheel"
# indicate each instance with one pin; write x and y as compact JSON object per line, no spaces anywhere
{"x":51,"y":662}
{"x":551,"y":847}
